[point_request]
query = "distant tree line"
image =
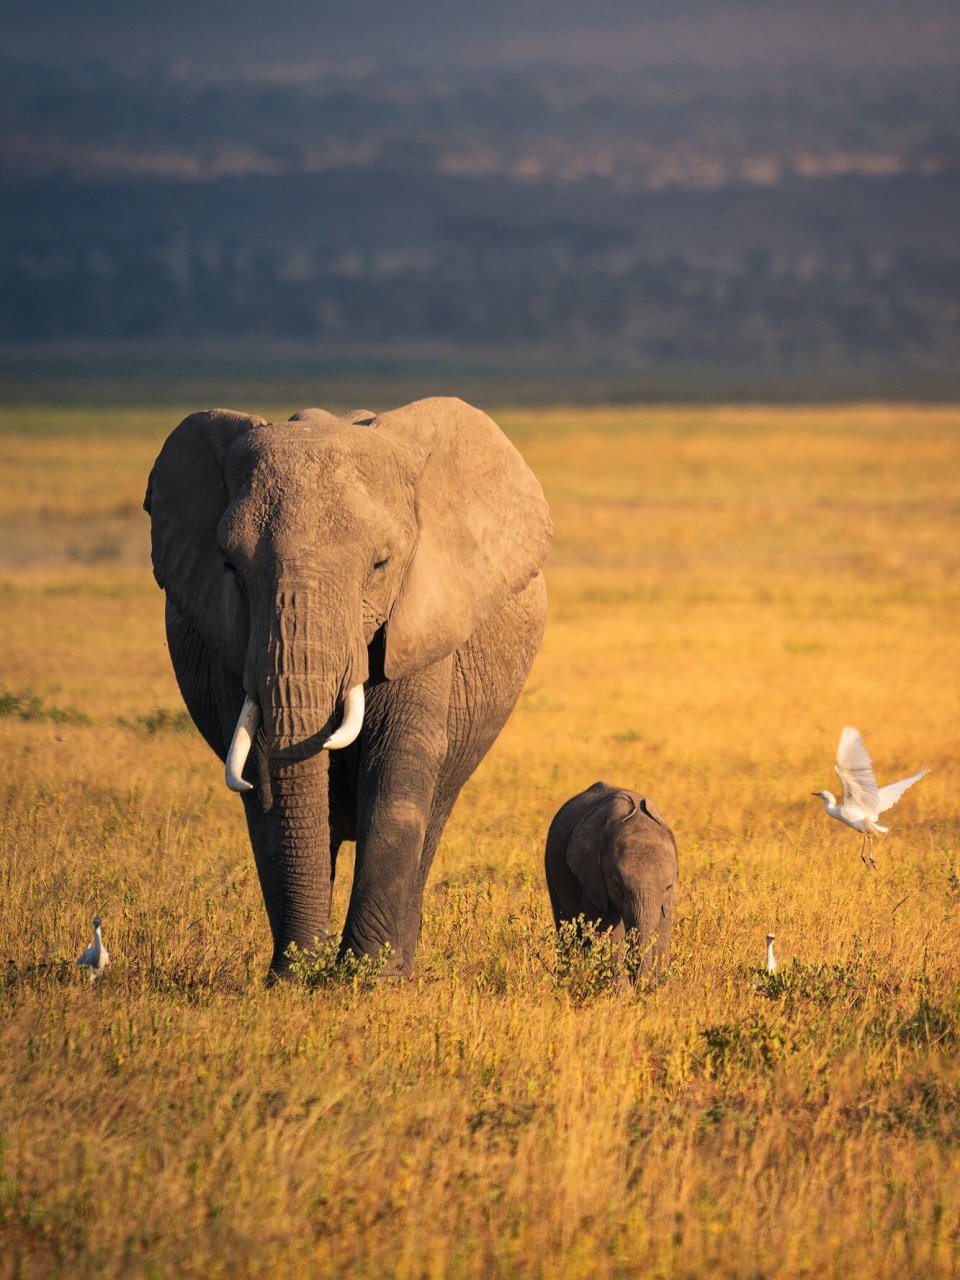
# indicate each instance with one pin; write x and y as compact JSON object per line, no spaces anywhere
{"x":478,"y":292}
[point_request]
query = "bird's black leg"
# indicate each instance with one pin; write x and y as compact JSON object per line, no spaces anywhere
{"x":868,"y":860}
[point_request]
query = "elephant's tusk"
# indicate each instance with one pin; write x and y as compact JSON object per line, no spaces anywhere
{"x":240,"y":746}
{"x":352,"y":721}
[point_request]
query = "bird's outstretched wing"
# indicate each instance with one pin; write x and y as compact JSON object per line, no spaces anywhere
{"x":891,"y":793}
{"x":855,"y":771}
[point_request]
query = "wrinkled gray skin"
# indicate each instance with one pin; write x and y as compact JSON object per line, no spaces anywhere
{"x":611,"y":857}
{"x":300,"y":559}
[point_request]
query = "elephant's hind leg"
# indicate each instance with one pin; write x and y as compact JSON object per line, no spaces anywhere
{"x":443,"y":803}
{"x":488,"y":675}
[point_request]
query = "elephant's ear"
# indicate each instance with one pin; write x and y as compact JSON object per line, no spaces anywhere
{"x":651,"y":810}
{"x":484,"y":528}
{"x":584,"y":854}
{"x":186,"y":496}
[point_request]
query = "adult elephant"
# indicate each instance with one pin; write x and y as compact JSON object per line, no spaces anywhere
{"x":353,"y":605}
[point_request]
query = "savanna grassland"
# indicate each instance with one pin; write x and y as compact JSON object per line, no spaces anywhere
{"x":729,"y":586}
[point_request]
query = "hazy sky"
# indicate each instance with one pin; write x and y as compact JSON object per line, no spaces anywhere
{"x":619,"y":33}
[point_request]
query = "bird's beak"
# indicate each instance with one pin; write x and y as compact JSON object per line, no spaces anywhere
{"x":815,"y":793}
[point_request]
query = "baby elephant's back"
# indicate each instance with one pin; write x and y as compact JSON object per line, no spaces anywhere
{"x":609,"y":803}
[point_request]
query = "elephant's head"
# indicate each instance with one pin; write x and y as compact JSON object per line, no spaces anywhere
{"x":625,"y":857}
{"x":289,"y":547}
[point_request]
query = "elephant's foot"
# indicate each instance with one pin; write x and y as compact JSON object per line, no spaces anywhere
{"x":387,"y":959}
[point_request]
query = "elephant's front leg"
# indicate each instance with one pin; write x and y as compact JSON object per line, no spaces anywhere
{"x":403,"y":750}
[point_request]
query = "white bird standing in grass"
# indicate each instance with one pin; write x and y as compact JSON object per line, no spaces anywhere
{"x":96,"y":957}
{"x":863,"y":801}
{"x":771,"y":961}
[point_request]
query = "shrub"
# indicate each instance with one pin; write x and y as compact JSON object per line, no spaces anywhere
{"x":591,"y":961}
{"x":319,"y":966}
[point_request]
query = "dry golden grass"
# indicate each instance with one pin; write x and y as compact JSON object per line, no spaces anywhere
{"x":729,"y":586}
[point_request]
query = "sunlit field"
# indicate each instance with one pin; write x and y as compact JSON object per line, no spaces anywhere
{"x":729,"y":587}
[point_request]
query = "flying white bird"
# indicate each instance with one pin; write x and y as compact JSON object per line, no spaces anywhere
{"x":771,"y":961}
{"x":863,"y":801}
{"x":96,"y":957}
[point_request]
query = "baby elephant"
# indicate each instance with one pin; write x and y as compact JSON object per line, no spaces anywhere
{"x":611,"y":856}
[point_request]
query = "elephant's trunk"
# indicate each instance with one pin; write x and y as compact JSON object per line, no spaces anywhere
{"x":642,"y":915}
{"x":309,"y":673}
{"x":305,"y":673}
{"x":291,"y":845}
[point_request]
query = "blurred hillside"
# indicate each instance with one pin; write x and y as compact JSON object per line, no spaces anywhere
{"x":731,"y":231}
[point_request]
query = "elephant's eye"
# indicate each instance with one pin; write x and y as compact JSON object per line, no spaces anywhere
{"x":381,"y":561}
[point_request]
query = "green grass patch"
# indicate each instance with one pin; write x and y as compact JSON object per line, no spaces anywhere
{"x":160,"y":720}
{"x":29,"y":705}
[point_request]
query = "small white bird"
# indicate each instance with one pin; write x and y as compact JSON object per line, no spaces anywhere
{"x":863,"y":801}
{"x":96,"y":957}
{"x":771,"y":961}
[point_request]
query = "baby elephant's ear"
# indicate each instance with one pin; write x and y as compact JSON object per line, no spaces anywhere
{"x":584,"y":855}
{"x":651,"y":810}
{"x":484,"y":528}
